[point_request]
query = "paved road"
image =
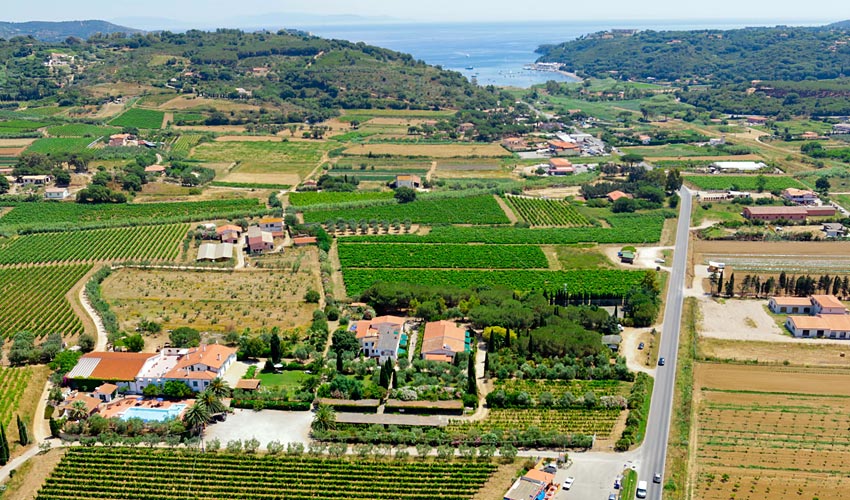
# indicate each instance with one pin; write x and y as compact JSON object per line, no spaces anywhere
{"x":653,"y":453}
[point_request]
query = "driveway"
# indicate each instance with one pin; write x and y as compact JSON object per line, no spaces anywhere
{"x":594,"y":475}
{"x":265,"y":426}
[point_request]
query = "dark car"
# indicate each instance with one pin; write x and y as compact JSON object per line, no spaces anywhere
{"x":640,"y":346}
{"x":661,"y":361}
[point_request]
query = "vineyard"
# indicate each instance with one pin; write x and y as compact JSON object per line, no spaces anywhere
{"x":483,"y":209}
{"x":81,"y":130}
{"x":624,"y":229}
{"x":541,"y":212}
{"x":139,"y":118}
{"x":35,"y":216}
{"x":588,"y":283}
{"x":33,"y":299}
{"x":185,"y":143}
{"x":442,"y":256}
{"x":315,"y":198}
{"x":557,"y":387}
{"x":96,"y":473}
{"x":13,"y":381}
{"x":60,"y":145}
{"x":742,"y":182}
{"x":135,"y":243}
{"x":597,"y":422}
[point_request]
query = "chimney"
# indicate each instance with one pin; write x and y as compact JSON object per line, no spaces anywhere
{"x":218,"y":357}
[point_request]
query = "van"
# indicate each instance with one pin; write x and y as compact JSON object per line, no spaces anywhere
{"x":641,"y":489}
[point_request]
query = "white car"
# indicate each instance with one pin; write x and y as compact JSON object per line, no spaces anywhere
{"x":568,"y":483}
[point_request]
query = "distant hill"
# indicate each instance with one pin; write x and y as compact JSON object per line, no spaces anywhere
{"x":59,"y":31}
{"x":840,"y":25}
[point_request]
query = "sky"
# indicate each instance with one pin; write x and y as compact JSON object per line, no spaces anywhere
{"x":229,"y":11}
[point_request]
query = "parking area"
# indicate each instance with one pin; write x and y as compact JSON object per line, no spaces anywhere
{"x":594,"y":475}
{"x":265,"y":426}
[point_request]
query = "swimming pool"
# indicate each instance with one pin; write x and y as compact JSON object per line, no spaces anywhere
{"x":153,"y":414}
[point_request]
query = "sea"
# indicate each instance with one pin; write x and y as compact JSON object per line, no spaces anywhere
{"x":496,"y":53}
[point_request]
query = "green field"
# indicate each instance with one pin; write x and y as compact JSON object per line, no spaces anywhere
{"x":328,"y":198}
{"x":441,"y":256}
{"x":139,"y":118}
{"x":290,"y":379}
{"x":363,"y":115}
{"x":14,"y":126}
{"x":482,"y":209}
{"x":98,"y":473}
{"x":140,"y":243}
{"x":671,"y":150}
{"x":742,"y":182}
{"x":60,"y":145}
{"x":13,"y":382}
{"x":40,"y":216}
{"x":270,"y":158}
{"x":82,"y":130}
{"x":590,"y":283}
{"x":185,"y":143}
{"x":540,"y":212}
{"x":33,"y":299}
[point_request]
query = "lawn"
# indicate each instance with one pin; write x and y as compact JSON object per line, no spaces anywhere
{"x":287,"y":380}
{"x":582,"y":257}
{"x":264,"y":162}
{"x":139,"y":118}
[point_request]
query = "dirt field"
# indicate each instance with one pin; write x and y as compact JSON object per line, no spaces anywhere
{"x":215,"y":301}
{"x":766,"y":257}
{"x":247,"y":138}
{"x":15,"y":143}
{"x":739,"y":320}
{"x":795,"y":354}
{"x":31,"y":476}
{"x":181,"y":103}
{"x":12,"y":151}
{"x":771,"y":432}
{"x":429,"y":150}
{"x":558,"y":193}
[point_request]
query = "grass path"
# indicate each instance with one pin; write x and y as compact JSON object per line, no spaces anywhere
{"x":505,"y":208}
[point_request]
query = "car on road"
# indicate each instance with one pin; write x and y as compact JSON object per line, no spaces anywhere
{"x":641,"y":490}
{"x":641,"y":346}
{"x":661,"y":361}
{"x":617,"y":484}
{"x":656,"y":478}
{"x":568,"y":483}
{"x":612,"y":496}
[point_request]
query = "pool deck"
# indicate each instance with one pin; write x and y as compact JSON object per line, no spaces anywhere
{"x":118,"y":407}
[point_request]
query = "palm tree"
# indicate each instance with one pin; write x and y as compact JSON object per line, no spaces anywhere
{"x":325,"y":418}
{"x":196,"y":416}
{"x":78,"y":411}
{"x":219,"y":387}
{"x":211,"y":402}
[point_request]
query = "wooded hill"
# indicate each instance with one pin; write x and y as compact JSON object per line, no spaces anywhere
{"x":309,"y":76}
{"x":709,"y":56}
{"x":58,"y":31}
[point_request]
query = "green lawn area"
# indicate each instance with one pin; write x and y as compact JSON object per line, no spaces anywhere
{"x":582,"y":257}
{"x":797,"y":127}
{"x":139,"y":118}
{"x":629,"y":486}
{"x":716,"y":211}
{"x":608,"y":111}
{"x":287,"y":380}
{"x":264,"y":162}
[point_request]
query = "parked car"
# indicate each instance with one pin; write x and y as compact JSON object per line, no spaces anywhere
{"x":640,"y":346}
{"x":612,"y":496}
{"x":617,"y":484}
{"x":661,"y":361}
{"x":568,"y":483}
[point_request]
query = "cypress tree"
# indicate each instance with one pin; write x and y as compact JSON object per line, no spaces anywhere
{"x":531,"y":345}
{"x":4,"y":446}
{"x":339,"y":361}
{"x":508,"y":338}
{"x":274,"y":348}
{"x":54,"y":428}
{"x":23,"y":435}
{"x":720,"y":283}
{"x":471,"y":387}
{"x":491,"y":342}
{"x":486,"y":363}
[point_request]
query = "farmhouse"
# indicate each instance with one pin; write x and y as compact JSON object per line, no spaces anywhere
{"x":380,"y":337}
{"x":122,"y":140}
{"x":645,"y":139}
{"x":514,"y":144}
{"x":442,"y":340}
{"x":229,"y":233}
{"x":616,"y":195}
{"x":91,"y":403}
{"x":120,"y":368}
{"x":800,"y":196}
{"x":827,"y":304}
{"x":35,"y":180}
{"x":272,"y":225}
{"x":154,"y":169}
{"x":834,"y":230}
{"x":560,"y":166}
{"x":790,"y":305}
{"x":409,"y":181}
{"x":809,"y":136}
{"x":197,"y":367}
{"x":821,"y":211}
{"x":564,"y":148}
{"x":756,"y":120}
{"x":833,"y":326}
{"x":259,"y":241}
{"x":534,"y":485}
{"x":215,"y":252}
{"x":106,"y":392}
{"x":302,"y":241}
{"x":773,"y":213}
{"x":56,"y":193}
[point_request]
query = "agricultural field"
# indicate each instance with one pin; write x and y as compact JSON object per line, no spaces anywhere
{"x":13,"y":382}
{"x":599,"y":422}
{"x":774,"y":257}
{"x":542,"y":212}
{"x":742,"y":182}
{"x":327,"y":198}
{"x":589,"y":283}
{"x":81,"y":130}
{"x":33,"y":299}
{"x":557,"y":387}
{"x":364,"y":115}
{"x":459,"y":150}
{"x":35,"y":216}
{"x":482,"y":209}
{"x":214,"y":301}
{"x":15,"y":127}
{"x":184,"y":144}
{"x":140,"y":243}
{"x":95,"y":473}
{"x":60,"y":145}
{"x":441,"y":256}
{"x":265,"y":162}
{"x":624,"y":229}
{"x":767,"y":432}
{"x":139,"y":118}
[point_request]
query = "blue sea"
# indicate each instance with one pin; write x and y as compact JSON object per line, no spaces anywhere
{"x":495,"y":53}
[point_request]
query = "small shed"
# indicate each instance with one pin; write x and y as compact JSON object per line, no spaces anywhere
{"x":612,"y":341}
{"x":248,"y":384}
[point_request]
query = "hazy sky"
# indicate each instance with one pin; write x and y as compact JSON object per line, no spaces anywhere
{"x":434,"y":10}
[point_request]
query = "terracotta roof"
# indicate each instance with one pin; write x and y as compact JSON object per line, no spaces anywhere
{"x":445,"y":358}
{"x":304,"y":240}
{"x":155,"y":168}
{"x":91,"y":402}
{"x":798,"y":192}
{"x":248,"y":384}
{"x":414,"y":178}
{"x":560,"y":162}
{"x":123,"y":366}
{"x":540,"y":476}
{"x":271,"y":220}
{"x":228,"y":227}
{"x":372,"y":327}
{"x":440,"y":335}
{"x":838,"y":322}
{"x":616,"y":195}
{"x":792,"y":301}
{"x":827,"y":301}
{"x":776,"y":210}
{"x":106,"y":389}
{"x":563,"y":145}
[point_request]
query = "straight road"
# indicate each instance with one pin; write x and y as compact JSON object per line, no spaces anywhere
{"x":653,"y":453}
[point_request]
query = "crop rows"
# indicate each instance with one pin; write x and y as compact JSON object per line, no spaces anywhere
{"x":139,"y":118}
{"x":442,"y":256}
{"x":13,"y":382}
{"x":95,"y":473}
{"x":557,"y":387}
{"x":60,"y":145}
{"x":81,"y":130}
{"x":742,"y":182}
{"x":315,"y":198}
{"x":483,"y":209}
{"x":598,"y":422}
{"x":624,"y":229}
{"x":588,"y":283}
{"x":135,"y":243}
{"x":541,"y":212}
{"x":35,"y":216}
{"x":33,"y":299}
{"x":185,"y":143}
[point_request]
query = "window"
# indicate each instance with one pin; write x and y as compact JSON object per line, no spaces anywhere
{"x":194,"y":383}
